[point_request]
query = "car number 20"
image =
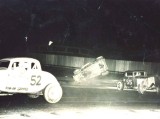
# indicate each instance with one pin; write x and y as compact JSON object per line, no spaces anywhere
{"x":35,"y":80}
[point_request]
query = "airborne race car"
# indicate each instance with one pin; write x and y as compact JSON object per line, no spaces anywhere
{"x":91,"y":70}
{"x":24,"y":75}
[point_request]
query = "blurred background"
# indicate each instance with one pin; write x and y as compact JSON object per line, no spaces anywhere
{"x":123,"y":29}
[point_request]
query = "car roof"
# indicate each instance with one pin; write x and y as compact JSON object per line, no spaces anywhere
{"x":135,"y":71}
{"x":20,"y":59}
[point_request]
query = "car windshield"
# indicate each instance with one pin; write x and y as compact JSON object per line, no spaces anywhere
{"x":4,"y":64}
{"x":129,"y":74}
{"x":142,"y":74}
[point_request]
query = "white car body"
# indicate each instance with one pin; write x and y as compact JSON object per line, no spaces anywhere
{"x":150,"y":84}
{"x":91,"y":70}
{"x":24,"y":75}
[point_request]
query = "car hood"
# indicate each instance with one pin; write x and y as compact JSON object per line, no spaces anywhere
{"x":141,"y":77}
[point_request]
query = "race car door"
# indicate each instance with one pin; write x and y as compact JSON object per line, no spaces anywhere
{"x":17,"y":77}
{"x":29,"y":78}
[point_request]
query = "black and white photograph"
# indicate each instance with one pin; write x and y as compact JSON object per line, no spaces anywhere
{"x":79,"y":59}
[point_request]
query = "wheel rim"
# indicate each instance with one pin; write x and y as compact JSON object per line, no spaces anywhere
{"x":53,"y":94}
{"x":119,"y":85}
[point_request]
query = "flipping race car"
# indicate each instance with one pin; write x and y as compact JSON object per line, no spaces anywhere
{"x":24,"y":75}
{"x":91,"y":70}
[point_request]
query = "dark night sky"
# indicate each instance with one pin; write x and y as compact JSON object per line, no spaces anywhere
{"x":129,"y":28}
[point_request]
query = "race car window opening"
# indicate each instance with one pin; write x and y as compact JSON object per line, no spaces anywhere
{"x":142,"y":73}
{"x":15,"y":65}
{"x":136,"y":74}
{"x":129,"y":74}
{"x":25,"y":65}
{"x":34,"y":66}
{"x":4,"y":64}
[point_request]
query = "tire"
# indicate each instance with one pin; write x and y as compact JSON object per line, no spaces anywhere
{"x":141,"y":89}
{"x":100,"y":57}
{"x":138,"y":89}
{"x":77,"y":71}
{"x":158,"y":90}
{"x":120,"y":85}
{"x":52,"y":93}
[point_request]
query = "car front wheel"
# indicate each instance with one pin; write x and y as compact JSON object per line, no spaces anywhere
{"x":141,"y":88}
{"x":53,"y":93}
{"x":120,"y":85}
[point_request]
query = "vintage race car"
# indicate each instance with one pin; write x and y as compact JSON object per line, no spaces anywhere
{"x":132,"y":79}
{"x":91,"y":70}
{"x":24,"y":75}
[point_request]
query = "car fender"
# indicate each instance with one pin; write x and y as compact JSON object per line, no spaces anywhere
{"x":39,"y":84}
{"x":49,"y":77}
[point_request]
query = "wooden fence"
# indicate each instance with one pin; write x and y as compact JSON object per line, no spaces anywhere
{"x":113,"y":65}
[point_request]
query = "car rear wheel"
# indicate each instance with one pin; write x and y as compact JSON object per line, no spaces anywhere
{"x":52,"y":93}
{"x":120,"y":85}
{"x":158,"y":90}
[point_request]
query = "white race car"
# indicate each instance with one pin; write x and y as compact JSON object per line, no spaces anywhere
{"x":91,"y":70}
{"x":24,"y":75}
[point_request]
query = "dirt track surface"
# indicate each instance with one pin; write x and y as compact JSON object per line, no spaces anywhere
{"x":82,"y":103}
{"x":84,"y":100}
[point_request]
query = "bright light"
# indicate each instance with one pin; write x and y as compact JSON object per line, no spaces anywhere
{"x":50,"y":43}
{"x":26,"y":38}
